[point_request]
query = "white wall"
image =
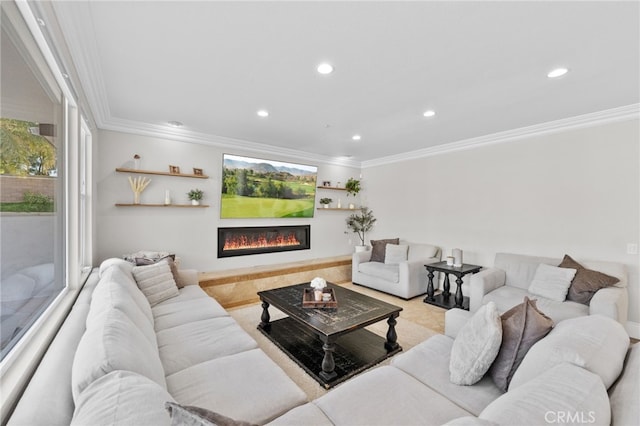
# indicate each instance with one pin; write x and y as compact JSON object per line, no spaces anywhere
{"x":575,"y":192}
{"x":192,"y":233}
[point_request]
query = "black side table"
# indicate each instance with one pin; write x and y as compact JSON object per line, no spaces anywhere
{"x":444,"y":299}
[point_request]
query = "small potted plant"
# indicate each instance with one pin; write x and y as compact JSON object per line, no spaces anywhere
{"x":361,"y":223}
{"x":195,"y":195}
{"x":352,"y":186}
{"x":325,"y":202}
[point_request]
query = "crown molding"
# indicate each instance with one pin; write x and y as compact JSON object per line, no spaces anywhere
{"x":226,"y":143}
{"x":624,"y":113}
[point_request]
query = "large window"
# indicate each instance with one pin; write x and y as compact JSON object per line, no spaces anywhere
{"x":45,"y":192}
{"x":32,"y":266}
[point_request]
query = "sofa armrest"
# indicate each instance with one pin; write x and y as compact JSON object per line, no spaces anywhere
{"x":454,"y":320}
{"x":482,"y":283}
{"x":612,"y":302}
{"x":188,"y":276}
{"x":360,"y":257}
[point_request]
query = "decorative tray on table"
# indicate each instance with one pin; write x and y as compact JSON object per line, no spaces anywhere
{"x":308,"y":299}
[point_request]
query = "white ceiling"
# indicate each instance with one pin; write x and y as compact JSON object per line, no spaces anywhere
{"x":480,"y":65}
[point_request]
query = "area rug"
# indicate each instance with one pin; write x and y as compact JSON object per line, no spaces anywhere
{"x":409,"y":335}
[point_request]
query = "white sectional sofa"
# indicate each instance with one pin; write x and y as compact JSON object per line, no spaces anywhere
{"x":406,"y":279}
{"x":509,"y":280}
{"x":117,"y":360}
{"x":188,"y":350}
{"x":585,"y":381}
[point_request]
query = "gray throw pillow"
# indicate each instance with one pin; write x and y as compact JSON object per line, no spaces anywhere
{"x":379,"y":247}
{"x":144,"y":261}
{"x":586,"y":282}
{"x":156,"y":282}
{"x":185,"y":415}
{"x":522,"y":326}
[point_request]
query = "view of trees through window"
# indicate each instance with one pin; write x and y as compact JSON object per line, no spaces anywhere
{"x":25,"y":152}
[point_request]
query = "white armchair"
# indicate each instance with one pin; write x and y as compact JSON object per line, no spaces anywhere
{"x":405,"y":279}
{"x":508,"y":282}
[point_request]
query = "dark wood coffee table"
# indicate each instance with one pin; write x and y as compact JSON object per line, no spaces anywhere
{"x":331,"y":344}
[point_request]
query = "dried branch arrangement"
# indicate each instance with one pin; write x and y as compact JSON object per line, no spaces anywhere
{"x":137,"y":186}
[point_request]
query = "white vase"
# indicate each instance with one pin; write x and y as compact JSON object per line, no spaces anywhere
{"x":317,"y":294}
{"x":195,"y":202}
{"x":352,"y":206}
{"x":361,"y":248}
{"x":326,"y":206}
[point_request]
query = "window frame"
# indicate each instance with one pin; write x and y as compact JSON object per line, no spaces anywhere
{"x":22,"y":360}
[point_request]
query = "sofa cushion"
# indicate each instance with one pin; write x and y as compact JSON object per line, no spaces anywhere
{"x":506,"y":297}
{"x":156,"y":282}
{"x":625,"y":393}
{"x":115,"y":262}
{"x":122,"y":398}
{"x":470,"y":421}
{"x":114,"y":343}
{"x":378,"y":248}
{"x":189,"y":344}
{"x":522,"y":327}
{"x":383,"y":271}
{"x":476,"y":346}
{"x":435,"y":374}
{"x":586,"y":282}
{"x":419,"y":251}
{"x":565,"y":394}
{"x":188,"y":415}
{"x":247,"y":385}
{"x":551,"y":282}
{"x":173,"y":312}
{"x":594,"y":342}
{"x":110,"y":294}
{"x":307,"y":414}
{"x":520,"y":269}
{"x":366,"y":401}
{"x":395,"y":253}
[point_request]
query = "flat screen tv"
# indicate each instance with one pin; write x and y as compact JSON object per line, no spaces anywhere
{"x":257,"y":188}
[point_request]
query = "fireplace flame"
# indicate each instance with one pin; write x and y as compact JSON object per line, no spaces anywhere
{"x":243,"y":242}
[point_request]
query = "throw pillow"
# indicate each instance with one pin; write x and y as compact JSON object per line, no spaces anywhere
{"x":146,"y":254}
{"x":378,"y":248}
{"x":476,"y":346}
{"x":143,"y":261}
{"x":156,"y":282}
{"x":186,"y":415}
{"x":586,"y":282}
{"x":522,"y":326}
{"x":395,"y":253}
{"x":552,"y":282}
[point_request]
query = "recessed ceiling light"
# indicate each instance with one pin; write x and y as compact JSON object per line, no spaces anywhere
{"x":175,"y":124}
{"x":558,"y":72}
{"x":325,"y":68}
{"x":356,"y":137}
{"x":263,"y":113}
{"x":429,"y":113}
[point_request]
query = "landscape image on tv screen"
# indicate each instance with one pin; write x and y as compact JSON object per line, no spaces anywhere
{"x":253,"y":188}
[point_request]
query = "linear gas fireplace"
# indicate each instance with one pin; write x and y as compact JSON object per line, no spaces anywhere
{"x":241,"y":241}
